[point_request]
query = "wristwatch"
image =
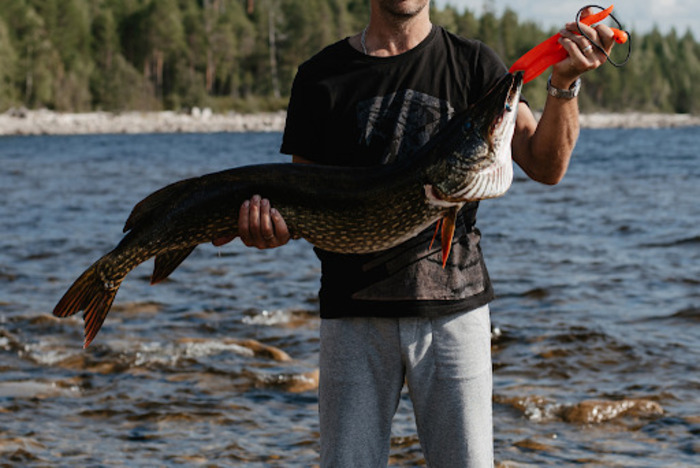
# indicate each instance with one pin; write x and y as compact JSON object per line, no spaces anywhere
{"x":570,"y":93}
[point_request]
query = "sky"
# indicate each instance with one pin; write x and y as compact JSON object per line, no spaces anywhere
{"x":637,"y":15}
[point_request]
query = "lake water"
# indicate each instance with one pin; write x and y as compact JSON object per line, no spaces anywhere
{"x":596,"y":342}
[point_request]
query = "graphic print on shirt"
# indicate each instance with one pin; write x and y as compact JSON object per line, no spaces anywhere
{"x":400,"y":123}
{"x":395,"y":126}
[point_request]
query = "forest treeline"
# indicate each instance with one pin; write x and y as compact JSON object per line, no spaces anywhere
{"x":80,"y":55}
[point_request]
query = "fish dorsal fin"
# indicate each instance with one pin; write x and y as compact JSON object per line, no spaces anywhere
{"x":167,"y":262}
{"x":449,"y":221}
{"x":157,"y":201}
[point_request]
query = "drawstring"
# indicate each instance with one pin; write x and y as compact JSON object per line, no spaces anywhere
{"x":598,"y":46}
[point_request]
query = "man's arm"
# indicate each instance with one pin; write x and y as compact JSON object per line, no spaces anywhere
{"x":543,"y":149}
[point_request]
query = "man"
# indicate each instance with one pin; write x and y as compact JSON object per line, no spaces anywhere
{"x":397,"y":315}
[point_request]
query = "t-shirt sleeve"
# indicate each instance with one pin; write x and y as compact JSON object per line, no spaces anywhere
{"x":493,"y":69}
{"x":489,"y":69}
{"x":304,"y":119}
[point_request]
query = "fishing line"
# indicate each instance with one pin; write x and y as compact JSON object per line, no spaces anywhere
{"x":598,"y":46}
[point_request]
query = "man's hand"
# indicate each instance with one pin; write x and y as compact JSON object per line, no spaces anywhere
{"x":583,"y":56}
{"x":259,"y":225}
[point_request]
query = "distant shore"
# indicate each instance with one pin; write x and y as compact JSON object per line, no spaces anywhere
{"x":45,"y":122}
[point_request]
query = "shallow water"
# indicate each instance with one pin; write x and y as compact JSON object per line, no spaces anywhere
{"x":596,"y":350}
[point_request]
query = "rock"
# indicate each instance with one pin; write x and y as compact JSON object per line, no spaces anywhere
{"x":598,"y":411}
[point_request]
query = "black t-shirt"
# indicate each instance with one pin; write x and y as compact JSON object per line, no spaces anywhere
{"x":351,"y":109}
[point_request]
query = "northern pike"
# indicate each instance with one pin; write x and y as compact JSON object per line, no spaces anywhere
{"x":345,"y":210}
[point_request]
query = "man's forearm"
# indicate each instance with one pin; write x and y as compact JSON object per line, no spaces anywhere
{"x":555,"y":138}
{"x":543,"y":149}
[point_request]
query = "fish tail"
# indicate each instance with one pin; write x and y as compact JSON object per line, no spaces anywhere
{"x":91,"y":294}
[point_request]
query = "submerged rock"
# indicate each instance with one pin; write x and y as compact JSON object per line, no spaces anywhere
{"x":540,"y":409}
{"x":598,"y":411}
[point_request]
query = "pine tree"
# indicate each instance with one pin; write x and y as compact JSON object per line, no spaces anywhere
{"x":8,"y":59}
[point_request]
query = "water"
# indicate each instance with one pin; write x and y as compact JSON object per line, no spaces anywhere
{"x":596,"y":350}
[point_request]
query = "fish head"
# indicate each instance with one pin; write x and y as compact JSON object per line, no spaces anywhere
{"x":475,"y":148}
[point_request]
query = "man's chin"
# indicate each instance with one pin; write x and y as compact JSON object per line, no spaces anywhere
{"x":404,"y":9}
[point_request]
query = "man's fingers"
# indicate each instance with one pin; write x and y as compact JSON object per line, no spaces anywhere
{"x":587,"y":12}
{"x":254,"y":234}
{"x":281,"y":231}
{"x":249,"y":222}
{"x":584,"y":51}
{"x":261,"y":226}
{"x":601,"y":34}
{"x":607,"y":37}
{"x":243,"y":222}
{"x":267,"y":232}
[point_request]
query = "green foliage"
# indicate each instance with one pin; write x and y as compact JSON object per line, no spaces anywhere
{"x":8,"y":61}
{"x":154,"y":54}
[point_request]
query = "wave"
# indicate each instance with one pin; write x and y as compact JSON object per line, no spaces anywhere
{"x":689,"y":314}
{"x":675,"y":243}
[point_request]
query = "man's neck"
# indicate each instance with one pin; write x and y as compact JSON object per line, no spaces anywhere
{"x":389,"y":34}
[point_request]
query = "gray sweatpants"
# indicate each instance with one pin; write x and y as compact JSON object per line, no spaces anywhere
{"x":445,"y":361}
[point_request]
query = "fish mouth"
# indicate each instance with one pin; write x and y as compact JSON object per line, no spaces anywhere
{"x":494,"y":178}
{"x":501,"y":129}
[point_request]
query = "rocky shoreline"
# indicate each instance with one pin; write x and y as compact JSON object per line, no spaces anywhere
{"x":638,"y":120}
{"x":45,"y":122}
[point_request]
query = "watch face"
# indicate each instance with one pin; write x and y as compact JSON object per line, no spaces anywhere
{"x":570,"y":93}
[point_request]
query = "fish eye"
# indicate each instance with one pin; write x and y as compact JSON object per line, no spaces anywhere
{"x":509,"y":107}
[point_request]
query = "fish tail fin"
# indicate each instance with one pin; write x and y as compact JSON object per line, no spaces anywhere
{"x":92,"y":295}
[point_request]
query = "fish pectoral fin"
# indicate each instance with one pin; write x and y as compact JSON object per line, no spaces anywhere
{"x":167,"y":262}
{"x":437,"y":229}
{"x":449,"y":221}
